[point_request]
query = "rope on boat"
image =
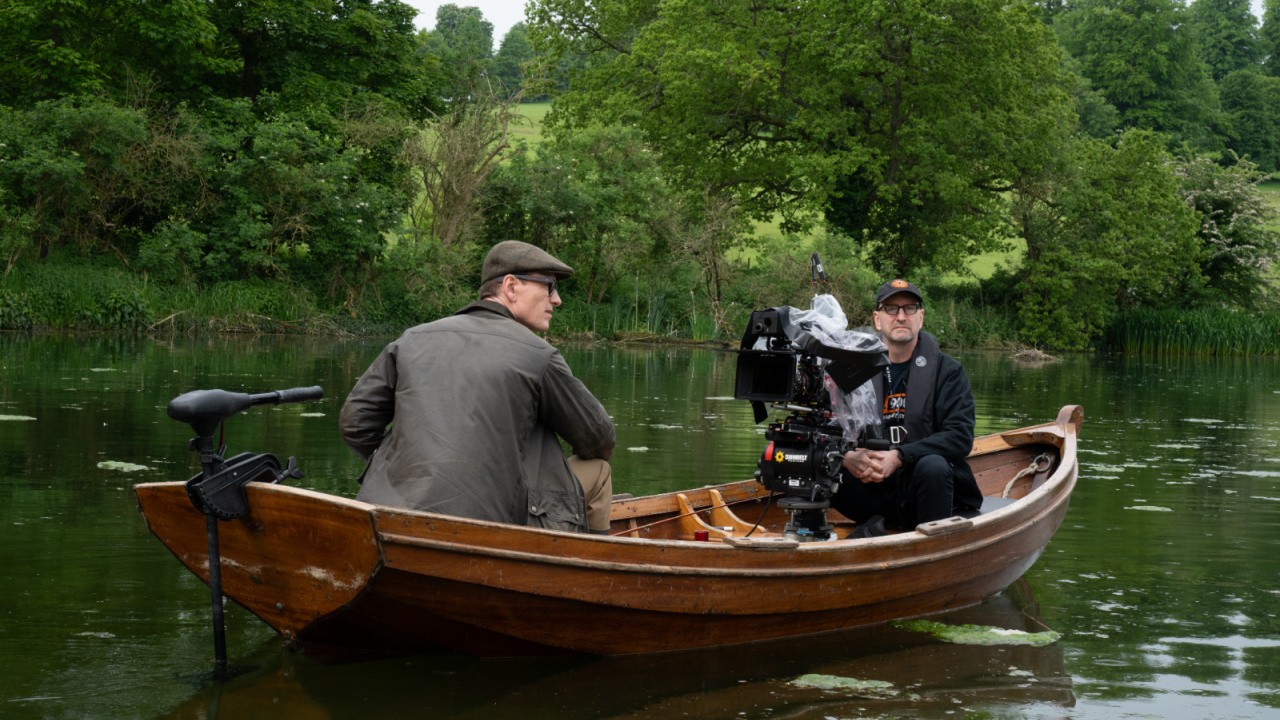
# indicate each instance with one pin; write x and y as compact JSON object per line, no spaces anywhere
{"x":1042,"y":459}
{"x":638,"y":528}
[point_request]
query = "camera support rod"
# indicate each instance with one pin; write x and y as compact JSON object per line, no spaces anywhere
{"x":819,"y":275}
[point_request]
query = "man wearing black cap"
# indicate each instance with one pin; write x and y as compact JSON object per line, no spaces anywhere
{"x":927,"y":406}
{"x":477,"y":401}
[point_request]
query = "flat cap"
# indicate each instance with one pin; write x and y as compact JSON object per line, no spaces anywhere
{"x":893,"y":287}
{"x":512,"y":257}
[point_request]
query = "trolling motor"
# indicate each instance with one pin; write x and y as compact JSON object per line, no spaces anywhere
{"x":782,"y":361}
{"x":218,"y":492}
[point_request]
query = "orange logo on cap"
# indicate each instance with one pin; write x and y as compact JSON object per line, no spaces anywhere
{"x":899,"y":283}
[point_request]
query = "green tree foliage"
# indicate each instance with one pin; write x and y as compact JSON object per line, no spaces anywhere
{"x":1237,"y":251}
{"x":797,"y":114}
{"x":463,"y":40}
{"x":1226,"y":35}
{"x":1097,"y":117}
{"x":84,"y":171}
{"x":210,"y":140}
{"x":1141,"y":55}
{"x":598,"y":199}
{"x":1252,"y":102}
{"x":1106,"y":230}
{"x":321,"y":52}
{"x":52,"y":49}
{"x":514,"y":52}
{"x":1270,"y":34}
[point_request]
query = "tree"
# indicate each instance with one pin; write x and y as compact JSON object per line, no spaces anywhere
{"x":514,"y":52}
{"x":1270,"y":34}
{"x":845,"y":106}
{"x":1097,"y":117}
{"x":302,"y":53}
{"x":1106,"y":229}
{"x":1238,"y":250}
{"x":219,"y":138}
{"x":1252,"y":101}
{"x":1141,"y":56}
{"x":53,"y":49}
{"x":463,"y":40}
{"x":1226,"y":34}
{"x":597,"y":199}
{"x":454,"y":157}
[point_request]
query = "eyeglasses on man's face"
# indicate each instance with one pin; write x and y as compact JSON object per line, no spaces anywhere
{"x":892,"y":310}
{"x":549,"y":282}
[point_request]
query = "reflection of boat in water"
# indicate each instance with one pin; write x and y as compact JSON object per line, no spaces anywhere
{"x":930,"y":677}
{"x":334,"y":574}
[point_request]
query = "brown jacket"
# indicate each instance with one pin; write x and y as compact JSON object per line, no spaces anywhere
{"x":477,"y":400}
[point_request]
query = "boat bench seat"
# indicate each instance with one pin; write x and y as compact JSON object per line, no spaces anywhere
{"x":989,"y":504}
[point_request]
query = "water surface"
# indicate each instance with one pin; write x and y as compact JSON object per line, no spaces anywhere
{"x":1164,"y":580}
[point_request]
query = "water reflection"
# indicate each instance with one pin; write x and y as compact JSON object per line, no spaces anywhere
{"x":927,"y":676}
{"x":1163,"y":579}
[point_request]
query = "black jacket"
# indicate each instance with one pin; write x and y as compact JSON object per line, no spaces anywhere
{"x":940,"y":416}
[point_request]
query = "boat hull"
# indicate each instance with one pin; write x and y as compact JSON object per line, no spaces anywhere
{"x":336,"y":575}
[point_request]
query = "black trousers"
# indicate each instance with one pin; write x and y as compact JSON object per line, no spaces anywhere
{"x":904,"y":499}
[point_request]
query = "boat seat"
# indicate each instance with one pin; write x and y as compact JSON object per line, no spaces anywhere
{"x":990,"y":503}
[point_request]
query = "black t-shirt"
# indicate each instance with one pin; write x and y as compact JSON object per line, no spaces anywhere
{"x":894,"y":411}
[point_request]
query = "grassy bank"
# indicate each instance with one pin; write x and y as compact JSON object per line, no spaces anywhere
{"x":96,"y":293}
{"x":71,"y":292}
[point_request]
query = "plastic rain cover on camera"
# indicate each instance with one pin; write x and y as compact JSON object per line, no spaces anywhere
{"x":826,"y":321}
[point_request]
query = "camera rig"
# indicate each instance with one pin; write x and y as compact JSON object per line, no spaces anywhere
{"x":789,"y":364}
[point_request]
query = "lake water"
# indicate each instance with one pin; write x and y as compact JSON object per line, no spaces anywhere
{"x":1164,"y":580}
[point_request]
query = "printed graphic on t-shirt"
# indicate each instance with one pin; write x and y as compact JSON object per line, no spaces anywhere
{"x":895,"y":410}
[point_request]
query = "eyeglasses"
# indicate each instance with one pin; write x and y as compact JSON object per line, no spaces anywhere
{"x":549,"y":282}
{"x":892,"y":310}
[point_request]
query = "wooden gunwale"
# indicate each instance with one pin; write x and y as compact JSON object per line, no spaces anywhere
{"x":604,"y":566}
{"x":573,"y":549}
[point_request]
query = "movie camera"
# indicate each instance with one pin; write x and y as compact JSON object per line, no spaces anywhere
{"x":788,"y":359}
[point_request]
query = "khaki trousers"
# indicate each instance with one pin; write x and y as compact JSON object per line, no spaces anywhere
{"x":596,"y":478}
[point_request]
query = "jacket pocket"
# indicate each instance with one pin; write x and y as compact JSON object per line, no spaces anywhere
{"x":558,"y":511}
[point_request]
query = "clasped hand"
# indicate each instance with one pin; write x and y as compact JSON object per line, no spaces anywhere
{"x":872,"y":465}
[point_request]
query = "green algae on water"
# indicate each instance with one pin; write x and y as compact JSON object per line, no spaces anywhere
{"x":977,"y":634}
{"x":121,"y":466}
{"x":871,"y":688}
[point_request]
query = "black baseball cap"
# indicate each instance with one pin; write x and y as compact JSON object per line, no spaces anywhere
{"x":893,"y":287}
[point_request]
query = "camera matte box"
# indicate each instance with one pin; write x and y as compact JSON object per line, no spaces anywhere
{"x":765,"y":376}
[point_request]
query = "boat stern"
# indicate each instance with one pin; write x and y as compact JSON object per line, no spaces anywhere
{"x":295,"y":558}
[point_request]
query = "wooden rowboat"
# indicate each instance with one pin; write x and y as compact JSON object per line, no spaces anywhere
{"x":336,"y":576}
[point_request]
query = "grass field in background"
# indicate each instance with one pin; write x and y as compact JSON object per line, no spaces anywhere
{"x":1271,"y":193}
{"x":529,"y":126}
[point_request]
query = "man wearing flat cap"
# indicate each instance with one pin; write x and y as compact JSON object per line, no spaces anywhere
{"x":927,"y":406}
{"x":477,"y":401}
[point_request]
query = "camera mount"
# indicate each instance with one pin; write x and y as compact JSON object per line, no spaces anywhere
{"x":788,"y":363}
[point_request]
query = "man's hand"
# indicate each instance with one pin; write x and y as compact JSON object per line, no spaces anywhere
{"x":872,"y":465}
{"x":858,"y":464}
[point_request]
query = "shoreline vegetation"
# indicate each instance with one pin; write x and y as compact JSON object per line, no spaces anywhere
{"x":344,"y":174}
{"x":82,"y":296}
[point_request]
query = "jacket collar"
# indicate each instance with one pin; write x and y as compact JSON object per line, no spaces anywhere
{"x":489,"y":305}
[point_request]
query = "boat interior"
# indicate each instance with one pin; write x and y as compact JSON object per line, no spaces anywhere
{"x":743,"y":511}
